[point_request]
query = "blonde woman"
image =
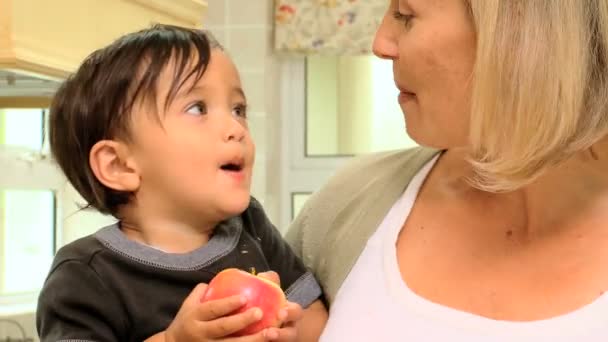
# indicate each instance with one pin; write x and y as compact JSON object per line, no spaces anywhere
{"x":497,"y":230}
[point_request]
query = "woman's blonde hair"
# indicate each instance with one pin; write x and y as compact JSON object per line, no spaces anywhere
{"x":540,"y":90}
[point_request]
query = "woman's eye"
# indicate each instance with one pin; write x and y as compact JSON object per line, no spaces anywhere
{"x":198,"y":108}
{"x":405,"y":18}
{"x":240,"y":110}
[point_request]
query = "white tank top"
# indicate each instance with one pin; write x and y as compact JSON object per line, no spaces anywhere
{"x":375,"y":305}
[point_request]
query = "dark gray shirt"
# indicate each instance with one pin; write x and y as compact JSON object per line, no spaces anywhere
{"x":105,"y":287}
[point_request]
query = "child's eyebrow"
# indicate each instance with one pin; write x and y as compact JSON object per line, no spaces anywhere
{"x":239,"y":91}
{"x":187,"y":91}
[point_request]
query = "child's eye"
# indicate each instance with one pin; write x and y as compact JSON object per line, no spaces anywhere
{"x":405,"y":18}
{"x":240,"y":110}
{"x":198,"y":108}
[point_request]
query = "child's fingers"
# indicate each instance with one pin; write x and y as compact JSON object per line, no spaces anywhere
{"x":291,"y":312}
{"x":288,"y":316}
{"x":230,"y":324}
{"x":259,"y":337}
{"x":194,"y":298}
{"x":193,"y":301}
{"x":218,"y":308}
{"x":286,"y":334}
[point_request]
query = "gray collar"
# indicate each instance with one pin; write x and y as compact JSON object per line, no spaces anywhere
{"x":225,"y":238}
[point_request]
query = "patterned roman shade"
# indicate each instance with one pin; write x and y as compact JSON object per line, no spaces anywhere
{"x":327,"y":27}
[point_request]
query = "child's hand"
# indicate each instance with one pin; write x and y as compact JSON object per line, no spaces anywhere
{"x":288,"y":332}
{"x":289,"y":316}
{"x":211,"y":321}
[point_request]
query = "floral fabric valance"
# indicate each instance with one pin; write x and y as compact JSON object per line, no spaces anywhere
{"x":327,"y":27}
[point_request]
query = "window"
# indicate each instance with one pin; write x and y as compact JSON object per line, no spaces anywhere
{"x":351,"y":107}
{"x":298,"y":199}
{"x":334,"y":108}
{"x":29,"y":238}
{"x":29,"y":185}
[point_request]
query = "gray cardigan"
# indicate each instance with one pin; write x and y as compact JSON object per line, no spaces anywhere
{"x":332,"y":229}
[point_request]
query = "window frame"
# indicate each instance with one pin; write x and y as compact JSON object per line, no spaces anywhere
{"x":300,"y":173}
{"x":295,"y":108}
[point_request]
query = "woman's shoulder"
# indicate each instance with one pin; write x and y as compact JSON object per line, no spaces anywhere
{"x":381,"y":165}
{"x":364,"y":176}
{"x":338,"y":219}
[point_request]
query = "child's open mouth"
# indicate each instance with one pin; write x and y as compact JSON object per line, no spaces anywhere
{"x":232,"y":167}
{"x":234,"y":170}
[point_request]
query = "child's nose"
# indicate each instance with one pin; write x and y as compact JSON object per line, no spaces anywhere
{"x":234,"y":130}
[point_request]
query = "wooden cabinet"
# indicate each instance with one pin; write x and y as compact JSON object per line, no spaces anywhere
{"x":49,"y":39}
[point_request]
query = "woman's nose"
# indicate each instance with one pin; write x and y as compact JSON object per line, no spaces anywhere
{"x":385,"y":42}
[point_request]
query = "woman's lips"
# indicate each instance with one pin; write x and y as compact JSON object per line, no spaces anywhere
{"x":406,"y":96}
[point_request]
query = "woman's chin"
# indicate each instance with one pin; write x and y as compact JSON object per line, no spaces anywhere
{"x":431,"y":139}
{"x":422,"y":139}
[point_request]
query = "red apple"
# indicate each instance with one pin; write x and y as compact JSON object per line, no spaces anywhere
{"x":260,"y":292}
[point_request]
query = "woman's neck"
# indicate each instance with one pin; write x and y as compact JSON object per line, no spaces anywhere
{"x":571,"y":194}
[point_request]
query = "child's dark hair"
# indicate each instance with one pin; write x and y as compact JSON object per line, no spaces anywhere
{"x":95,"y":103}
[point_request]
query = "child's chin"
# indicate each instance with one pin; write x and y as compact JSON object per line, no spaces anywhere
{"x":237,"y":205}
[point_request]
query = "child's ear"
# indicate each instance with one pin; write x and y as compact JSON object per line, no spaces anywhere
{"x":113,"y":165}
